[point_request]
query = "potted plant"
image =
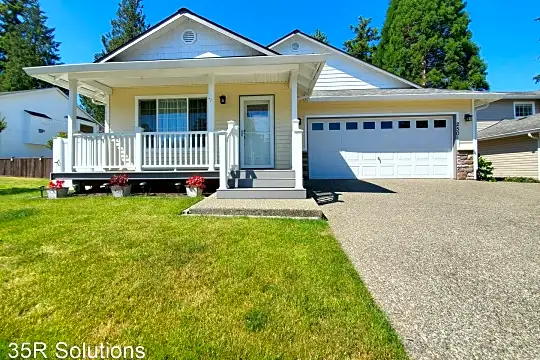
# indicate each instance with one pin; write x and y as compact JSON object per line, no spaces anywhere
{"x":56,"y":189}
{"x":119,"y":185}
{"x":195,"y":186}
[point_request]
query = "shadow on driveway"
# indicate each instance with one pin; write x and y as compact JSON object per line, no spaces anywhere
{"x":329,"y":191}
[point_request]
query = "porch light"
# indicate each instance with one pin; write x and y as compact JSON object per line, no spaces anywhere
{"x":223,"y":99}
{"x":468,"y":117}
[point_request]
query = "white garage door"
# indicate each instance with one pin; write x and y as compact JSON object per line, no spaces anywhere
{"x":363,"y":148}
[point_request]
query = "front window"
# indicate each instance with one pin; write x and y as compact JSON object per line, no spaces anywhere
{"x":522,"y":109}
{"x":172,"y":115}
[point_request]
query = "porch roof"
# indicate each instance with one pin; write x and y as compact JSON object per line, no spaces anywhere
{"x":97,"y":80}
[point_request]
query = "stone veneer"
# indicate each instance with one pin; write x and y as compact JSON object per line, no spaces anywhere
{"x":465,"y":165}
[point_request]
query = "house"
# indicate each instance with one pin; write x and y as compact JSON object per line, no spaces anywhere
{"x":34,"y":117}
{"x":508,"y":134}
{"x":189,"y":96}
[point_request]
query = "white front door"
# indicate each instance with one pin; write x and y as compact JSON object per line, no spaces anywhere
{"x":257,"y":132}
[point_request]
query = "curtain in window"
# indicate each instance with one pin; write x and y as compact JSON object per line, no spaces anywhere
{"x":171,"y":115}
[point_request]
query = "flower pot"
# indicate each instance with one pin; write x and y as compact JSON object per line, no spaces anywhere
{"x":57,"y":193}
{"x":193,"y":191}
{"x":121,"y":191}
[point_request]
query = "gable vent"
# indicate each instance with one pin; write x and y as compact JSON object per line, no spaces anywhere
{"x":295,"y":46}
{"x":189,"y":36}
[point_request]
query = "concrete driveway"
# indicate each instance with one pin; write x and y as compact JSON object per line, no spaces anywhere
{"x":455,"y":265}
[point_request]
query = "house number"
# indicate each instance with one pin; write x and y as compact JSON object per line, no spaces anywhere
{"x":457,"y":129}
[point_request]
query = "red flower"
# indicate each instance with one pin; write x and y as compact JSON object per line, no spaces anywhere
{"x":196,"y":181}
{"x":119,"y":180}
{"x":57,"y":184}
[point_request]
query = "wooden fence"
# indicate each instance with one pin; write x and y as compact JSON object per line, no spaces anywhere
{"x":26,"y":167}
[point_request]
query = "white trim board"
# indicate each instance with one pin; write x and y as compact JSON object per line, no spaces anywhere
{"x":340,"y":53}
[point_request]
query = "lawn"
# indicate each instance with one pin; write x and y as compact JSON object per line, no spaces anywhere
{"x":133,"y":272}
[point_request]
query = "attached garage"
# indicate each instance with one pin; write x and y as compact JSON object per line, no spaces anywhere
{"x":381,"y":147}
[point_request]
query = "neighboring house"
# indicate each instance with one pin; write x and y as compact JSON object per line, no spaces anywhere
{"x":513,"y":146}
{"x":34,"y":117}
{"x":189,"y":96}
{"x":512,"y":106}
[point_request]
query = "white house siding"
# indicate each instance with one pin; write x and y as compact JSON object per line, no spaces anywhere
{"x":499,"y":110}
{"x":340,"y":72}
{"x":167,"y":44}
{"x":512,"y":156}
{"x":21,"y":137}
{"x":122,"y":109}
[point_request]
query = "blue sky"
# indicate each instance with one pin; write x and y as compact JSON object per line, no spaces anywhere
{"x":506,"y":31}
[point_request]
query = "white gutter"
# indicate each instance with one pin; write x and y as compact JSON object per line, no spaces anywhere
{"x":412,"y":97}
{"x":517,"y":133}
{"x":177,"y":64}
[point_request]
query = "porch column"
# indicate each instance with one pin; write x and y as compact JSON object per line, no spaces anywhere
{"x":296,"y":139}
{"x":107,"y":124}
{"x":71,"y":123}
{"x":475,"y":140}
{"x":293,"y":84}
{"x":210,"y":120}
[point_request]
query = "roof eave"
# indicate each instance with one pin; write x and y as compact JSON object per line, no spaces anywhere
{"x":412,"y":97}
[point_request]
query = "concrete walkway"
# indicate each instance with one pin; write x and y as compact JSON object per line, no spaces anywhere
{"x":455,"y":265}
{"x":288,"y":208}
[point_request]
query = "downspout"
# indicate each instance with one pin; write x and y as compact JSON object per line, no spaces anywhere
{"x":475,"y":134}
{"x":537,"y":138}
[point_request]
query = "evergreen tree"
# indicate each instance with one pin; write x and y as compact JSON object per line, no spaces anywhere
{"x":25,"y":40}
{"x":319,"y":35}
{"x":130,"y":21}
{"x":429,"y":42}
{"x":363,"y":45}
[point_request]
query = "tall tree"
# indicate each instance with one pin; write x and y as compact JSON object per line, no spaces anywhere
{"x":130,"y":21}
{"x":319,"y":35}
{"x":364,"y":43}
{"x":25,"y":40}
{"x":429,"y":42}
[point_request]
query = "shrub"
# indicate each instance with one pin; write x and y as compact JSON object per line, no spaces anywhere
{"x":196,"y":181}
{"x":485,"y":170}
{"x":61,"y":134}
{"x":119,"y":180}
{"x":521,"y":180}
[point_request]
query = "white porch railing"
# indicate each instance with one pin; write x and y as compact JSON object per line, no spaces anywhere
{"x":98,"y":152}
{"x":143,"y":151}
{"x":178,"y":150}
{"x":229,"y":159}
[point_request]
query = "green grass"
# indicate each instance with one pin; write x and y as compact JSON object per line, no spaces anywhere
{"x":133,"y":272}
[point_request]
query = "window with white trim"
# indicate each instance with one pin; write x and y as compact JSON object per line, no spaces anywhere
{"x":522,"y":109}
{"x":172,"y":114}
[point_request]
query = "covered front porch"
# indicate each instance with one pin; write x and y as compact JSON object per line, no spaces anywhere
{"x":214,"y":116}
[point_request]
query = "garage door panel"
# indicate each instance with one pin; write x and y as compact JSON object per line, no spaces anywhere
{"x":379,"y":153}
{"x":369,"y":171}
{"x":387,"y":171}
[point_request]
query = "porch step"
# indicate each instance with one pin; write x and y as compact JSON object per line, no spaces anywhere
{"x":263,"y":174}
{"x":261,"y":193}
{"x":261,"y":183}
